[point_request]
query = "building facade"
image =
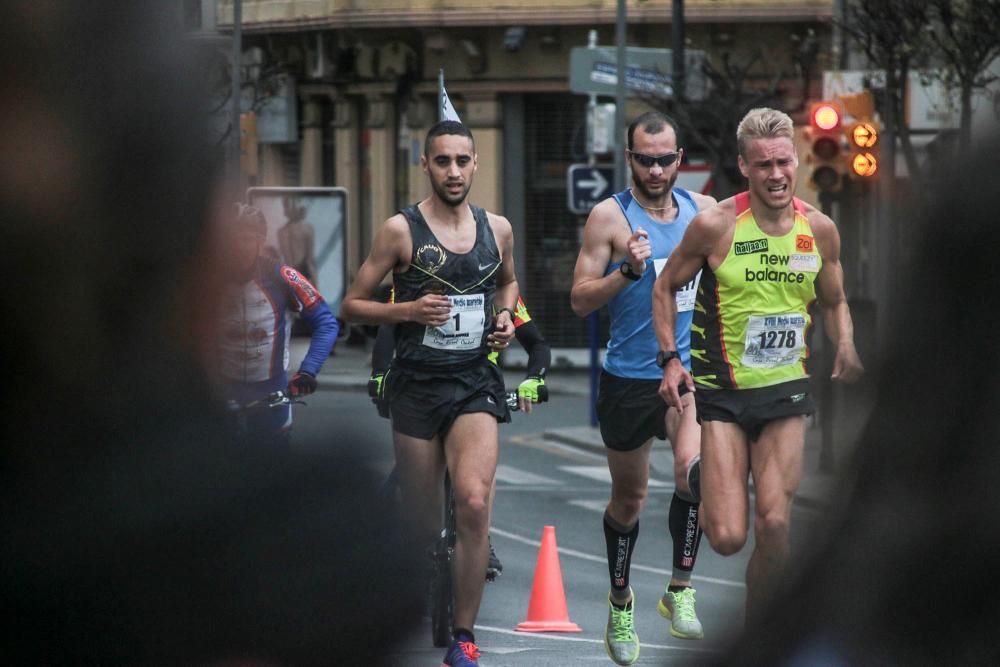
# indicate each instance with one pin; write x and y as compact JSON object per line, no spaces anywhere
{"x":351,"y":86}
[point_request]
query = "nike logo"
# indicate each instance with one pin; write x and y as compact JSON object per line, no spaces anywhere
{"x":489,"y":399}
{"x":483,"y":267}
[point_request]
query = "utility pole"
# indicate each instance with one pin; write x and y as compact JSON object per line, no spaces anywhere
{"x":234,"y":137}
{"x":620,"y":100}
{"x":677,"y":52}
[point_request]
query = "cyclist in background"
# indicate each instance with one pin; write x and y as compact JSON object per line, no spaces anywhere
{"x":255,"y":327}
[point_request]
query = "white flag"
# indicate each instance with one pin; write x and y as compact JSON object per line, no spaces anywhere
{"x":447,"y":111}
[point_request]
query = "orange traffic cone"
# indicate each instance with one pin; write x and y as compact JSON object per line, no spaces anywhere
{"x":547,"y":609}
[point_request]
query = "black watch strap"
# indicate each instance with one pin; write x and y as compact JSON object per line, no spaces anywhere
{"x":626,"y":270}
{"x":663,"y":358}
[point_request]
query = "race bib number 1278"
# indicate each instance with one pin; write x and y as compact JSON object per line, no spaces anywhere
{"x":774,"y":340}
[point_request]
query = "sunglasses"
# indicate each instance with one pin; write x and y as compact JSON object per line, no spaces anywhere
{"x":648,"y":161}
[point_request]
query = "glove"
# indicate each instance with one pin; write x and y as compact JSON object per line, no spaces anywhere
{"x":533,"y":389}
{"x":301,"y":384}
{"x":376,"y":389}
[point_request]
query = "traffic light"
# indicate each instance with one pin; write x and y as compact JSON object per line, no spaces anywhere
{"x":825,"y":139}
{"x":863,"y":142}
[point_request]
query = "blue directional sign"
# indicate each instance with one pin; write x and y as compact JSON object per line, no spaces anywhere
{"x":587,"y":185}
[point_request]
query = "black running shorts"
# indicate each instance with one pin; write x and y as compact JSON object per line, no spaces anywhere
{"x":753,"y":409}
{"x":426,"y":404}
{"x":630,"y":412}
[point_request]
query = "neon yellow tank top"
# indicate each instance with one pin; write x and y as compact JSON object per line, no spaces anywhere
{"x":752,"y":312}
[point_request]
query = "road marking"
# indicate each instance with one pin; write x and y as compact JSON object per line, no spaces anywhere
{"x":512,"y":475}
{"x":586,"y":640}
{"x":592,"y":505}
{"x":602,"y":474}
{"x":536,"y":441}
{"x":604,"y":559}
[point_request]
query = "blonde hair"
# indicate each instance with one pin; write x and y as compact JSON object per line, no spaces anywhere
{"x":762,"y":123}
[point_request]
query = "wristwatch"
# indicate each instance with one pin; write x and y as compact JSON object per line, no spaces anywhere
{"x":627,"y":271}
{"x":663,"y":358}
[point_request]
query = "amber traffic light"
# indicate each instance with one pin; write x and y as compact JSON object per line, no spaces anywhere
{"x":863,"y":141}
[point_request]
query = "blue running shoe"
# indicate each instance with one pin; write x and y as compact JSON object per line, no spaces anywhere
{"x":461,"y":654}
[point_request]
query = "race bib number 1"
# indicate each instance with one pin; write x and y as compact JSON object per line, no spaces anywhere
{"x":464,"y":331}
{"x":774,"y":340}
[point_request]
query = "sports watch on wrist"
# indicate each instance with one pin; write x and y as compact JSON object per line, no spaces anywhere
{"x":663,"y":358}
{"x":627,"y":271}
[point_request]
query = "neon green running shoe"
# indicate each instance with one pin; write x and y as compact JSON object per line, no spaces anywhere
{"x":619,"y":636}
{"x":679,"y":608}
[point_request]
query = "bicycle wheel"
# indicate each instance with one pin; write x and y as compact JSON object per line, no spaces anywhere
{"x":442,"y":593}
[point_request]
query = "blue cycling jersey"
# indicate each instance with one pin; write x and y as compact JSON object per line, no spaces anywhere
{"x":255,"y":328}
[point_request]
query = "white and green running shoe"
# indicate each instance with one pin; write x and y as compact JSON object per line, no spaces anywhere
{"x":679,"y":608}
{"x":619,"y":636}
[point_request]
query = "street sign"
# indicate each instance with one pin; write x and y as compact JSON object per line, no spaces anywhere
{"x":647,"y":71}
{"x":587,"y":185}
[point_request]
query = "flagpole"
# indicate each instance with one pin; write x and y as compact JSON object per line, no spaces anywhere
{"x":441,"y":94}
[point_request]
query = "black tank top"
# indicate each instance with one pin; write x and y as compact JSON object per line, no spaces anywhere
{"x":468,"y":280}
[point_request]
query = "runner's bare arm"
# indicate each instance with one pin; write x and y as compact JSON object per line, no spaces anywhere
{"x":685,"y":261}
{"x":696,"y":246}
{"x":507,"y":289}
{"x":847,"y":365}
{"x":591,"y":288}
{"x":703,"y":201}
{"x":388,"y":251}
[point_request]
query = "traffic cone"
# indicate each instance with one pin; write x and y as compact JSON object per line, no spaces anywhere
{"x":547,"y":609}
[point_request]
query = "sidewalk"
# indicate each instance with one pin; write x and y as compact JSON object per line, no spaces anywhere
{"x":350,"y":367}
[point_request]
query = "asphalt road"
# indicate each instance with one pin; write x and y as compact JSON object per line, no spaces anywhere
{"x":546,"y":483}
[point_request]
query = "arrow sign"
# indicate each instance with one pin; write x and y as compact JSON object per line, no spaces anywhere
{"x":598,"y":185}
{"x":588,"y":185}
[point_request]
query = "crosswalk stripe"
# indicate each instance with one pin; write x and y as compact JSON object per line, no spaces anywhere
{"x":511,"y":475}
{"x":592,"y":505}
{"x":602,"y":474}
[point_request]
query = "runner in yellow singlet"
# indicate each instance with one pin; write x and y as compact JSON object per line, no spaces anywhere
{"x":764,"y":257}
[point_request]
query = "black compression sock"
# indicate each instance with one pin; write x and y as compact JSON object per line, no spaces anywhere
{"x":620,"y":542}
{"x":686,"y":535}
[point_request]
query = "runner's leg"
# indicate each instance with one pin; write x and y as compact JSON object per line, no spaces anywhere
{"x":420,"y":470}
{"x":685,"y":440}
{"x":629,"y":478}
{"x":725,"y":464}
{"x":776,"y":464}
{"x":471,"y":447}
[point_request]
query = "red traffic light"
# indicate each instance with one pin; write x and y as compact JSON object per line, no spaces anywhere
{"x":825,"y":116}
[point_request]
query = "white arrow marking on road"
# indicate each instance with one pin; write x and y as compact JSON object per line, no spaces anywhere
{"x":597,"y":185}
{"x":604,"y":559}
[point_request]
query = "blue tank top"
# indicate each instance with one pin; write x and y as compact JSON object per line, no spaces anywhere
{"x":633,"y":346}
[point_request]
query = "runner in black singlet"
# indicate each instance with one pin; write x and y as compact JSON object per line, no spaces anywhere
{"x":453,"y":267}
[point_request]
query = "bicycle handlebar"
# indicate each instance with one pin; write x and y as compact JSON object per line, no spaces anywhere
{"x":273,"y":400}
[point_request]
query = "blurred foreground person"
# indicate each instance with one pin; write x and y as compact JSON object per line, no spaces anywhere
{"x":905,"y":573}
{"x":133,"y":530}
{"x":259,"y":296}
